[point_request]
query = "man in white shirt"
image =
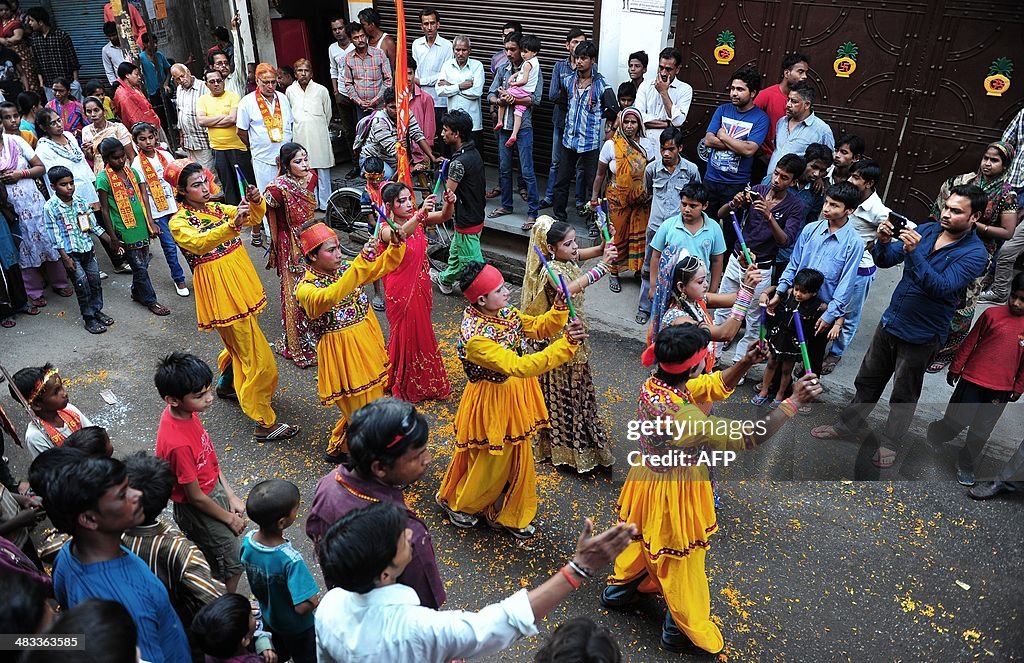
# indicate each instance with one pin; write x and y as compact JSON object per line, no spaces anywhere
{"x":264,"y":123}
{"x":336,"y":54}
{"x":461,"y":83}
{"x":192,"y":136}
{"x":664,"y":101}
{"x":369,"y":617}
{"x":112,"y":54}
{"x":431,"y":52}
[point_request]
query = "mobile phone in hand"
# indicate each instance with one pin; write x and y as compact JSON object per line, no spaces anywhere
{"x":899,"y":223}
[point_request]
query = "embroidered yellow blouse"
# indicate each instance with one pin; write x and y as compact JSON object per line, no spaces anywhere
{"x":226,"y":286}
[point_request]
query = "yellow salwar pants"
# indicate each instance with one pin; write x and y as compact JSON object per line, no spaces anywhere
{"x":248,"y":356}
{"x":684,"y":584}
{"x":502,"y":486}
{"x":349,"y":404}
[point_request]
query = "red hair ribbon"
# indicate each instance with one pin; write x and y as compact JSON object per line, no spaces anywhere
{"x":398,"y":438}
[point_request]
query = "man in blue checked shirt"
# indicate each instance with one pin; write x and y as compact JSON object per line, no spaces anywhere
{"x":939,"y":260}
{"x":590,"y":101}
{"x":68,"y":221}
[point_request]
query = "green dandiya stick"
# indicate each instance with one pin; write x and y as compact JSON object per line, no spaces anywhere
{"x":602,"y":219}
{"x":568,"y":297}
{"x":544,"y":261}
{"x":803,"y":343}
{"x":739,"y":236}
{"x":242,"y":184}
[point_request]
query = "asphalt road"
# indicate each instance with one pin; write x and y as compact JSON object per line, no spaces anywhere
{"x":801,"y":570}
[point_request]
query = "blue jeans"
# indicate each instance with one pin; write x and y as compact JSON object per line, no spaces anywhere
{"x":644,"y":305}
{"x":170,"y":249}
{"x":86,"y":281}
{"x":142,"y":287}
{"x":861,"y":286}
{"x":556,"y":158}
{"x":525,"y":146}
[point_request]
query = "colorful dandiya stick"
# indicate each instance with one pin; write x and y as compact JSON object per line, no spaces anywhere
{"x":764,"y":316}
{"x":602,"y":219}
{"x":544,"y":261}
{"x":441,"y":175}
{"x":243,"y":186}
{"x":568,"y":297}
{"x":803,"y":343}
{"x":384,"y":217}
{"x":739,"y":236}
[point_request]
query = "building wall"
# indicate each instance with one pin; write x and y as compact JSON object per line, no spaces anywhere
{"x":628,"y":26}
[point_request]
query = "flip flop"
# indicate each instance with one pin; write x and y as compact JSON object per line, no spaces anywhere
{"x":497,"y":213}
{"x":759,"y":400}
{"x":32,"y":310}
{"x":493,"y":193}
{"x":156,"y":308}
{"x":530,"y":222}
{"x":879,"y":459}
{"x":614,"y":284}
{"x":39,"y":302}
{"x":7,"y":323}
{"x":774,"y":405}
{"x":642,"y":317}
{"x":280,"y":431}
{"x":826,"y":433}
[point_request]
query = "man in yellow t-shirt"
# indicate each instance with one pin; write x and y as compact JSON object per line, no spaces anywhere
{"x":217,"y":111}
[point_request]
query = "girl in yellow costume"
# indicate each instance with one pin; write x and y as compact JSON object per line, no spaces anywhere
{"x":502,"y":406}
{"x":352,"y":364}
{"x":673,"y":507}
{"x":228,"y":292}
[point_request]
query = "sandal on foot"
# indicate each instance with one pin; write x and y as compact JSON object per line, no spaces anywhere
{"x":614,"y":284}
{"x":642,"y":317}
{"x":7,"y":323}
{"x":457,"y":518}
{"x":156,"y":308}
{"x":65,"y":292}
{"x":525,"y":195}
{"x":830,"y":364}
{"x":774,"y":404}
{"x":94,"y":327}
{"x":39,"y":302}
{"x":884,"y":458}
{"x":936,"y":367}
{"x":827,"y":433}
{"x":31,"y":310}
{"x":104,"y":319}
{"x":277,"y":432}
{"x":759,"y":400}
{"x":493,"y":193}
{"x":530,"y":221}
{"x":257,"y":239}
{"x":497,"y":213}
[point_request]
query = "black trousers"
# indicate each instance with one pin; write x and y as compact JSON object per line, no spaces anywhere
{"x":567,"y":175}
{"x":972,"y":407}
{"x":888,"y":357}
{"x":224,"y":161}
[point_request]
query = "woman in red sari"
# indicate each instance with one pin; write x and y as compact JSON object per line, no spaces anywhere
{"x":291,"y":202}
{"x":130,"y":102}
{"x":417,"y":372}
{"x":14,"y":36}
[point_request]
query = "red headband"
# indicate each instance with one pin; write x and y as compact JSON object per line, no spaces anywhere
{"x":649,"y":359}
{"x":488,"y":280}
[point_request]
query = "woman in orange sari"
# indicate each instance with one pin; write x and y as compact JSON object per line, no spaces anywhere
{"x":625,"y":157}
{"x":417,"y":372}
{"x":291,"y":202}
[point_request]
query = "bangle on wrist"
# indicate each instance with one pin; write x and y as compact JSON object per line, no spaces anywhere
{"x":585,"y":573}
{"x":787,"y":407}
{"x":568,"y":577}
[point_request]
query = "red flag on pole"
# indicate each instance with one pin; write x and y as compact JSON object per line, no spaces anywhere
{"x":404,"y":173}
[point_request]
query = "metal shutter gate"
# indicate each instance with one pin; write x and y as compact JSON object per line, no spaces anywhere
{"x":481,"y":21}
{"x":83,"y":20}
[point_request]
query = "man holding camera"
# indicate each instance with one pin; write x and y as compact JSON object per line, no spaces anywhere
{"x":940,"y":259}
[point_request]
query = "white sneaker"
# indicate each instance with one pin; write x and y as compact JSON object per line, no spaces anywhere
{"x":435,"y":278}
{"x":181,"y":289}
{"x":103,"y":275}
{"x":989,"y":297}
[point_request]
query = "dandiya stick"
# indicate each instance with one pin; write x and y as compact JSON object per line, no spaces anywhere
{"x":803,"y":343}
{"x":739,"y":235}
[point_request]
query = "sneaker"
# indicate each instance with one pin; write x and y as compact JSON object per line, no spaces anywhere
{"x":435,"y":278}
{"x":104,"y":275}
{"x":457,"y":518}
{"x":989,"y":489}
{"x":989,"y":297}
{"x":181,"y":290}
{"x":124,"y":268}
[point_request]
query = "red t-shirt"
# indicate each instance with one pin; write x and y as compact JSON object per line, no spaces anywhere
{"x":186,"y":445}
{"x":773,"y":102}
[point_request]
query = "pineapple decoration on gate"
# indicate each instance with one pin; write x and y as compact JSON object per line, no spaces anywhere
{"x":846,"y":59}
{"x":725,"y":47}
{"x":998,"y":80}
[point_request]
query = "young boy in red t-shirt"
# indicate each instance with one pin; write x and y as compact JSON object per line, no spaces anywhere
{"x":206,"y":509}
{"x":988,"y":372}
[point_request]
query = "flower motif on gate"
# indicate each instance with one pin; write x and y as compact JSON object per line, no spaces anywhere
{"x":998,"y":80}
{"x":725,"y":47}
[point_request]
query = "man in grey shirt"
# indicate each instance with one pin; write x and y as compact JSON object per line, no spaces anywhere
{"x":664,"y":179}
{"x":799,"y":127}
